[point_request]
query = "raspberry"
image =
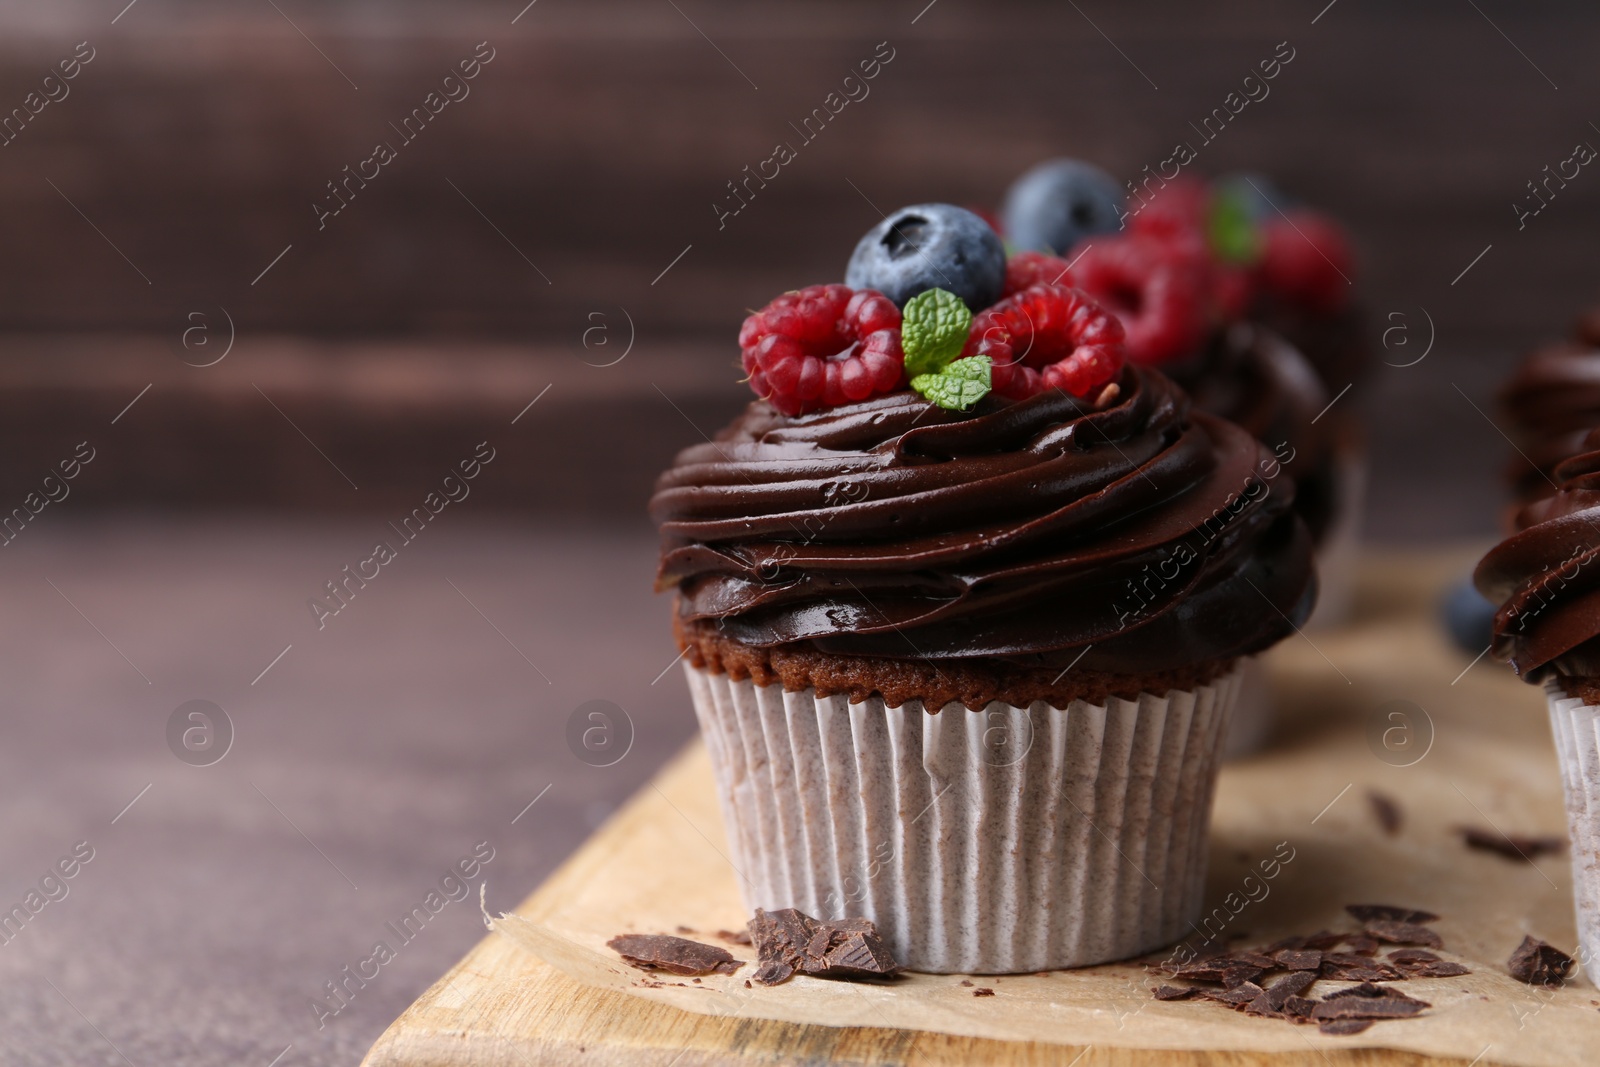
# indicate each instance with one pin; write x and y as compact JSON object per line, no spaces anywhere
{"x":1048,"y":337}
{"x":1307,"y":261}
{"x":1027,"y":269}
{"x":1160,"y":291}
{"x":821,"y":347}
{"x":1176,"y":210}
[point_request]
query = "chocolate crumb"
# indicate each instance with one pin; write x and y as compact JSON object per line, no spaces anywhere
{"x":685,"y":929}
{"x":1386,"y":810}
{"x":1390,"y":913}
{"x":747,"y":984}
{"x":1523,"y":849}
{"x":964,"y":982}
{"x":788,"y":940}
{"x":1538,"y":963}
{"x":1401,"y":933}
{"x":734,"y":937}
{"x":983,"y":991}
{"x":1175,"y":992}
{"x":674,"y":954}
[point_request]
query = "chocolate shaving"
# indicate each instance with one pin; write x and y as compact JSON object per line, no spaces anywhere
{"x":1523,"y":849}
{"x":1351,"y":968}
{"x":1390,"y":913}
{"x":674,"y":954}
{"x":788,"y":941}
{"x":1538,"y":963}
{"x":1273,"y":998}
{"x":734,"y":937}
{"x":1402,"y":933}
{"x":1368,"y":1007}
{"x":1361,"y":945}
{"x":1343,"y":1027}
{"x":1323,"y":940}
{"x":1298,"y":1008}
{"x":1386,"y":810}
{"x":1237,"y":997}
{"x":983,"y":991}
{"x":1299,"y":959}
{"x":1175,"y":992}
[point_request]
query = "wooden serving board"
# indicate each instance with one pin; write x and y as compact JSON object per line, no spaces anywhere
{"x":658,"y":862}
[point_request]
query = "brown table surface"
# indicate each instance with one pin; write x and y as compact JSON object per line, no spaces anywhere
{"x":374,"y":754}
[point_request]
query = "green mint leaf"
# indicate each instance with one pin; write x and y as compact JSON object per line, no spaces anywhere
{"x":1234,"y":236}
{"x":958,"y":386}
{"x":933,"y":330}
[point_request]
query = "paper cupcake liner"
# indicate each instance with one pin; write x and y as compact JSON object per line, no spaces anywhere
{"x":1340,"y":550}
{"x":1250,"y":723}
{"x":1009,"y":840}
{"x":1576,"y":727}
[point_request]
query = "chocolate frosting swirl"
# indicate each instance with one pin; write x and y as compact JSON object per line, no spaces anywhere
{"x":1137,"y":537}
{"x":1546,"y":577}
{"x":1550,"y":402}
{"x":1251,"y":376}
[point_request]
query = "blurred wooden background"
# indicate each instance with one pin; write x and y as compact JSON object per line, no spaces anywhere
{"x":586,"y":159}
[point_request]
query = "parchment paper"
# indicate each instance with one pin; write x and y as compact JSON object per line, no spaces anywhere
{"x":1487,"y":761}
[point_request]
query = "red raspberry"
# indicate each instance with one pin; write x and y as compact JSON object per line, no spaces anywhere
{"x":1159,"y":290}
{"x":1048,"y":337}
{"x":1307,"y":261}
{"x":1027,"y":269}
{"x":822,"y":347}
{"x":1233,"y":290}
{"x":1174,"y":210}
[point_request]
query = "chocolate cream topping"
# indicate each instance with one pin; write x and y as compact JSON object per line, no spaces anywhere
{"x":1251,"y":376}
{"x":1138,"y":537}
{"x":1550,"y":402}
{"x":1546,"y":577}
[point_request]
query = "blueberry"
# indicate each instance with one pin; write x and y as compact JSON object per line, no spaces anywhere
{"x":1467,"y":616}
{"x":930,"y":246}
{"x":1057,"y":204}
{"x":1256,"y":193}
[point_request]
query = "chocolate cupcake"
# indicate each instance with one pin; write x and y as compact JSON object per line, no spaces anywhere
{"x":1201,"y":278}
{"x":963,"y":657}
{"x":1550,"y":403}
{"x":1546,"y":579}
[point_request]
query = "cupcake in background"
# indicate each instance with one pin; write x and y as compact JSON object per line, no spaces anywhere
{"x":964,"y":598}
{"x":1546,"y":579}
{"x":1190,"y":273}
{"x":1550,"y":403}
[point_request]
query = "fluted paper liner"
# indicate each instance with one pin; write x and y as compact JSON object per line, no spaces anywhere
{"x":1576,"y":727}
{"x":1007,"y":840}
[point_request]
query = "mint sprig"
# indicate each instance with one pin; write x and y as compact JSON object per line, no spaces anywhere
{"x":933,"y":330}
{"x":958,"y":386}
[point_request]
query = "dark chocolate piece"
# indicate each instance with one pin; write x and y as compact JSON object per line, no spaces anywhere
{"x":1343,"y":1027}
{"x":1538,"y":963}
{"x":1347,"y":967}
{"x":1526,"y":849}
{"x":675,"y":954}
{"x":1400,"y":933}
{"x":1397,"y":1006}
{"x":1301,"y":959}
{"x":1273,"y":998}
{"x":1386,"y":810}
{"x":1175,"y":992}
{"x":1390,"y":913}
{"x":788,"y":940}
{"x":1361,"y":945}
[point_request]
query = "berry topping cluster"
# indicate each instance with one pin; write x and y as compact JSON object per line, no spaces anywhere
{"x":931,"y":301}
